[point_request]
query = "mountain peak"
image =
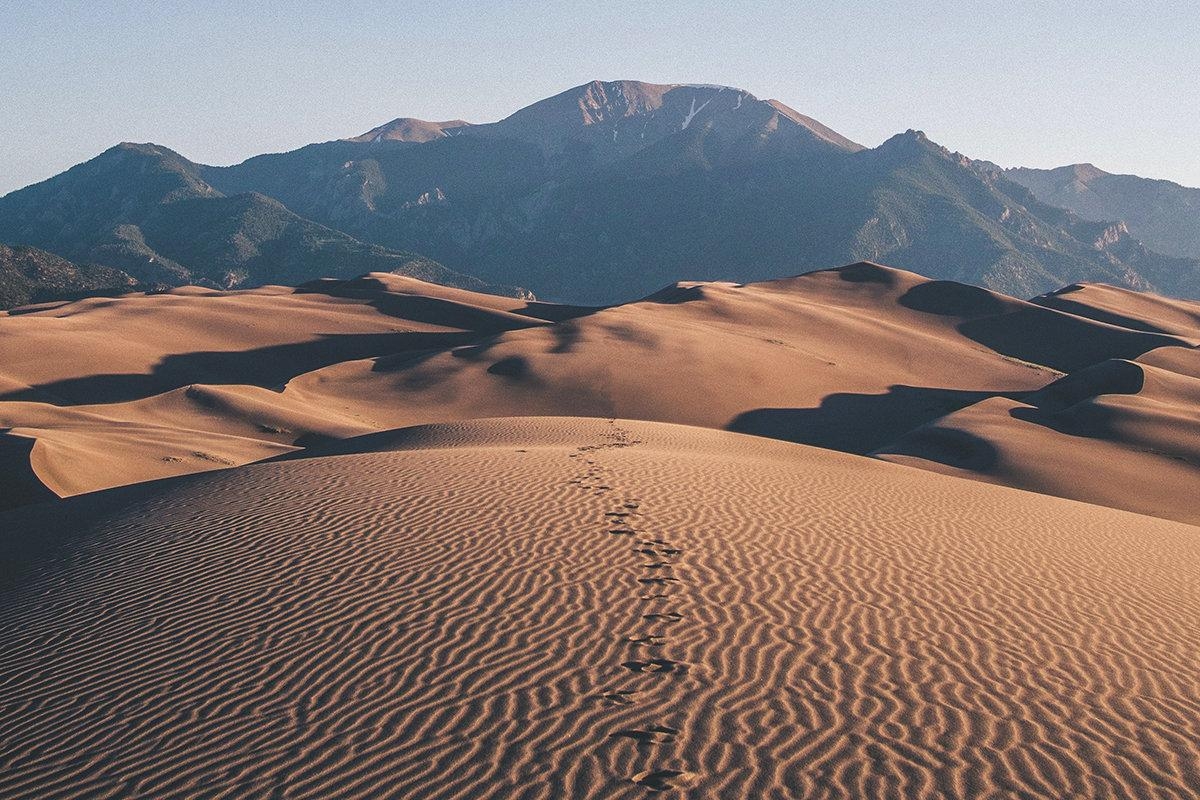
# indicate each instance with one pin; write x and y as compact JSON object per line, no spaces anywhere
{"x":592,"y":103}
{"x":408,"y":129}
{"x":910,"y":143}
{"x":625,"y":116}
{"x":1082,"y":173}
{"x":138,"y":173}
{"x":1086,"y":172}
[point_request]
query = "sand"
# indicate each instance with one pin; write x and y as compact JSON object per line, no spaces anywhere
{"x":1121,"y":432}
{"x":1137,"y":310}
{"x":112,"y":391}
{"x":862,"y":359}
{"x":547,"y":608}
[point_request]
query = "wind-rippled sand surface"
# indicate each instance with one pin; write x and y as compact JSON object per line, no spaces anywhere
{"x":582,"y":608}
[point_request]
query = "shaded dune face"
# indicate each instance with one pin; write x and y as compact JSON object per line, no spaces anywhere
{"x":106,"y":392}
{"x":597,"y":608}
{"x":863,"y":358}
{"x":1121,"y":431}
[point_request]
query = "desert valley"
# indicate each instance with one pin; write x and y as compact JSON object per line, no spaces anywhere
{"x":655,"y":439}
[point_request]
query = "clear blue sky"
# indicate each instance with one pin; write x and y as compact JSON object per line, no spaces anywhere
{"x":1036,"y":84}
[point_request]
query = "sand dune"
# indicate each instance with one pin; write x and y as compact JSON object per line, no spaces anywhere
{"x":1121,"y":432}
{"x":862,"y":358}
{"x":1124,"y":434}
{"x":847,"y":359}
{"x":134,"y":346}
{"x":587,"y":608}
{"x":120,"y":390}
{"x":1137,"y":310}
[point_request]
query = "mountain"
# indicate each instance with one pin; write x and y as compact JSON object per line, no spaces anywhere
{"x":1163,"y":214}
{"x":407,"y":129}
{"x":29,"y":275}
{"x":598,"y":194}
{"x":608,"y":120}
{"x":145,"y":210}
{"x":624,"y":186}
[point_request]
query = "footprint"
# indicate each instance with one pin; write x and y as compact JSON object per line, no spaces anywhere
{"x":657,"y":565}
{"x":617,"y":697}
{"x":658,"y":581}
{"x":631,"y":505}
{"x":646,"y":551}
{"x":652,"y":541}
{"x":655,"y":734}
{"x":660,"y":780}
{"x":617,"y":514}
{"x":646,"y":640}
{"x":666,"y":616}
{"x":622,"y":532}
{"x":659,"y":665}
{"x":670,"y":551}
{"x":659,"y":596}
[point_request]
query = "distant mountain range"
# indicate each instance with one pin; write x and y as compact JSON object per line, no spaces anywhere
{"x":145,"y":213}
{"x":1164,"y":215}
{"x":603,"y":192}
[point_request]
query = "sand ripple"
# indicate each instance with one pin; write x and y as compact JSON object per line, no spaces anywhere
{"x":467,"y":615}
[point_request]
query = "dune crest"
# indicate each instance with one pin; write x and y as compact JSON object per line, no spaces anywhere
{"x":1123,"y":432}
{"x":863,"y":358}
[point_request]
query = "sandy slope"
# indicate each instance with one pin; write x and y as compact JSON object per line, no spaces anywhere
{"x":1137,"y":310}
{"x":847,"y":358}
{"x":861,"y":359}
{"x":137,"y":345}
{"x":1123,"y":433}
{"x":111,"y":391}
{"x":586,"y":608}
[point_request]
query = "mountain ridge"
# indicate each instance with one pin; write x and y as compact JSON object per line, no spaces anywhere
{"x":597,"y":109}
{"x":29,"y":275}
{"x":147,"y":211}
{"x":1163,"y":213}
{"x":608,"y":190}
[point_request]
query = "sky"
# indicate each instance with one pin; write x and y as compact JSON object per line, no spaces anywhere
{"x":1019,"y":83}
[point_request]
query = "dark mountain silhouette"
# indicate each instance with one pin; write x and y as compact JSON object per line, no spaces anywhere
{"x":145,"y":210}
{"x":598,"y":194}
{"x":611,"y":189}
{"x":29,"y":275}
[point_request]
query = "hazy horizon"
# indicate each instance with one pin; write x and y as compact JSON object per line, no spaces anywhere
{"x":84,"y":77}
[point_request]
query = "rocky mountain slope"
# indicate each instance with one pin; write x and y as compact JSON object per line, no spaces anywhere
{"x":30,"y":275}
{"x":599,"y":194}
{"x":1163,"y":214}
{"x":146,"y":211}
{"x":617,"y":182}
